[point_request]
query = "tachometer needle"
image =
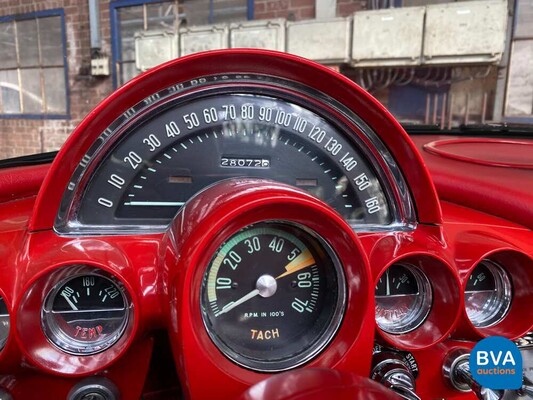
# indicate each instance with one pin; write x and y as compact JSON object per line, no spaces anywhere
{"x":388,"y":283}
{"x":304,"y":260}
{"x":233,"y":304}
{"x":71,"y":304}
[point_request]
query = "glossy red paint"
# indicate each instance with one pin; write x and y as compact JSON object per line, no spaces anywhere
{"x":483,"y":151}
{"x":317,"y":384}
{"x":496,"y":190}
{"x":162,"y":272}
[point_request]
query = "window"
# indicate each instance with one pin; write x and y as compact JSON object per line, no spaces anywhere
{"x":33,"y":67}
{"x":136,"y":16}
{"x":519,"y":104}
{"x":131,"y":16}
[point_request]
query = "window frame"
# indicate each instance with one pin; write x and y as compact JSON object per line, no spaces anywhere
{"x":116,"y":47}
{"x":514,"y":119}
{"x":56,"y":12}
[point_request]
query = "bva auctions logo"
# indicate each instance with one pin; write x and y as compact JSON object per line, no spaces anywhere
{"x":496,"y":363}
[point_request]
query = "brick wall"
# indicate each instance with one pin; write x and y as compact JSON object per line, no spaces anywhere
{"x":25,"y":136}
{"x":346,"y":8}
{"x":292,"y":10}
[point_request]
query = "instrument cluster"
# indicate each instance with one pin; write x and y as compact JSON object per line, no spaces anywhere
{"x":267,"y":214}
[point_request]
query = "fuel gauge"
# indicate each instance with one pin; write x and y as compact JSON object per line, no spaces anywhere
{"x":403,"y":299}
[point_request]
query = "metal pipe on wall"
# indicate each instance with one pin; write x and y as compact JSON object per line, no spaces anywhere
{"x":94,"y":25}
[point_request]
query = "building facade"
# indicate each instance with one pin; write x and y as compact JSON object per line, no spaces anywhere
{"x":48,"y":47}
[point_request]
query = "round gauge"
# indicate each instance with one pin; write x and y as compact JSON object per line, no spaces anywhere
{"x":4,"y":323}
{"x":86,"y":313}
{"x":488,"y":294}
{"x":146,"y":165}
{"x":273,"y":296}
{"x":403,"y":299}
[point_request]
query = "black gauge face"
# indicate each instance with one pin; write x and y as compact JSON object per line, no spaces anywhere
{"x":272,"y":297}
{"x":488,"y":294}
{"x":4,"y":323}
{"x":403,"y":299}
{"x":85,"y":314}
{"x":173,"y":151}
{"x":481,"y":279}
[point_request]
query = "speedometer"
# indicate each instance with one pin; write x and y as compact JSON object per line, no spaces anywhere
{"x":156,"y":156}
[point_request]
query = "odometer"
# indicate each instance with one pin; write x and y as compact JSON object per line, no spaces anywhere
{"x":160,"y":153}
{"x":272,"y":296}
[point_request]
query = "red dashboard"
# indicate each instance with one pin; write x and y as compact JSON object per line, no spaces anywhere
{"x":273,"y":225}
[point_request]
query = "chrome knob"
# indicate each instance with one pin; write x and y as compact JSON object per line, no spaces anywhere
{"x":456,"y":369}
{"x":391,"y":371}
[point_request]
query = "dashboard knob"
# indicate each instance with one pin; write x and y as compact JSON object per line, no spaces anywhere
{"x":390,"y":370}
{"x":456,"y":370}
{"x":94,"y":389}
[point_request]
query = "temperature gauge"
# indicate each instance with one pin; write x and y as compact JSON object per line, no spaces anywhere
{"x":403,"y":299}
{"x":86,"y":313}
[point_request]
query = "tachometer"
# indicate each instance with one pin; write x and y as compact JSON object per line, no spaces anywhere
{"x":156,"y":156}
{"x":273,"y":296}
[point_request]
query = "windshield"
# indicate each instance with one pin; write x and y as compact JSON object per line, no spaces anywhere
{"x":433,"y":64}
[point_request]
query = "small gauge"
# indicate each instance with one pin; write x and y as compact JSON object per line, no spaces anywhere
{"x":86,"y":313}
{"x":403,"y":299}
{"x":4,"y":323}
{"x":488,"y":294}
{"x":273,"y":296}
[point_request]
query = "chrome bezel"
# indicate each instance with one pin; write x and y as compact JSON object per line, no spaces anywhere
{"x":418,"y":312}
{"x":60,"y":339}
{"x":498,"y":305}
{"x":315,"y":348}
{"x":5,"y":322}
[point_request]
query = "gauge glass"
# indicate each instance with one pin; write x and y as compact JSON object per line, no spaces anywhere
{"x":151,"y":160}
{"x":488,"y":294}
{"x":86,"y":314}
{"x":4,"y":323}
{"x":403,"y":299}
{"x":273,"y":296}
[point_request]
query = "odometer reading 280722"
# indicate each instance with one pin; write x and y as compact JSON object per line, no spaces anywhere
{"x":171,"y":150}
{"x":272,"y":296}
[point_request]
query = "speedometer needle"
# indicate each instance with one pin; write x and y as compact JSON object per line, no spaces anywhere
{"x":304,"y":260}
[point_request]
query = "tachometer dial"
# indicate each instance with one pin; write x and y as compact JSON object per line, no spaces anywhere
{"x":273,"y":296}
{"x":403,"y":299}
{"x":487,"y":294}
{"x":86,"y":314}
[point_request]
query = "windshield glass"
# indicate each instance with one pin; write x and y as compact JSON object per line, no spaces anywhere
{"x":432,"y":63}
